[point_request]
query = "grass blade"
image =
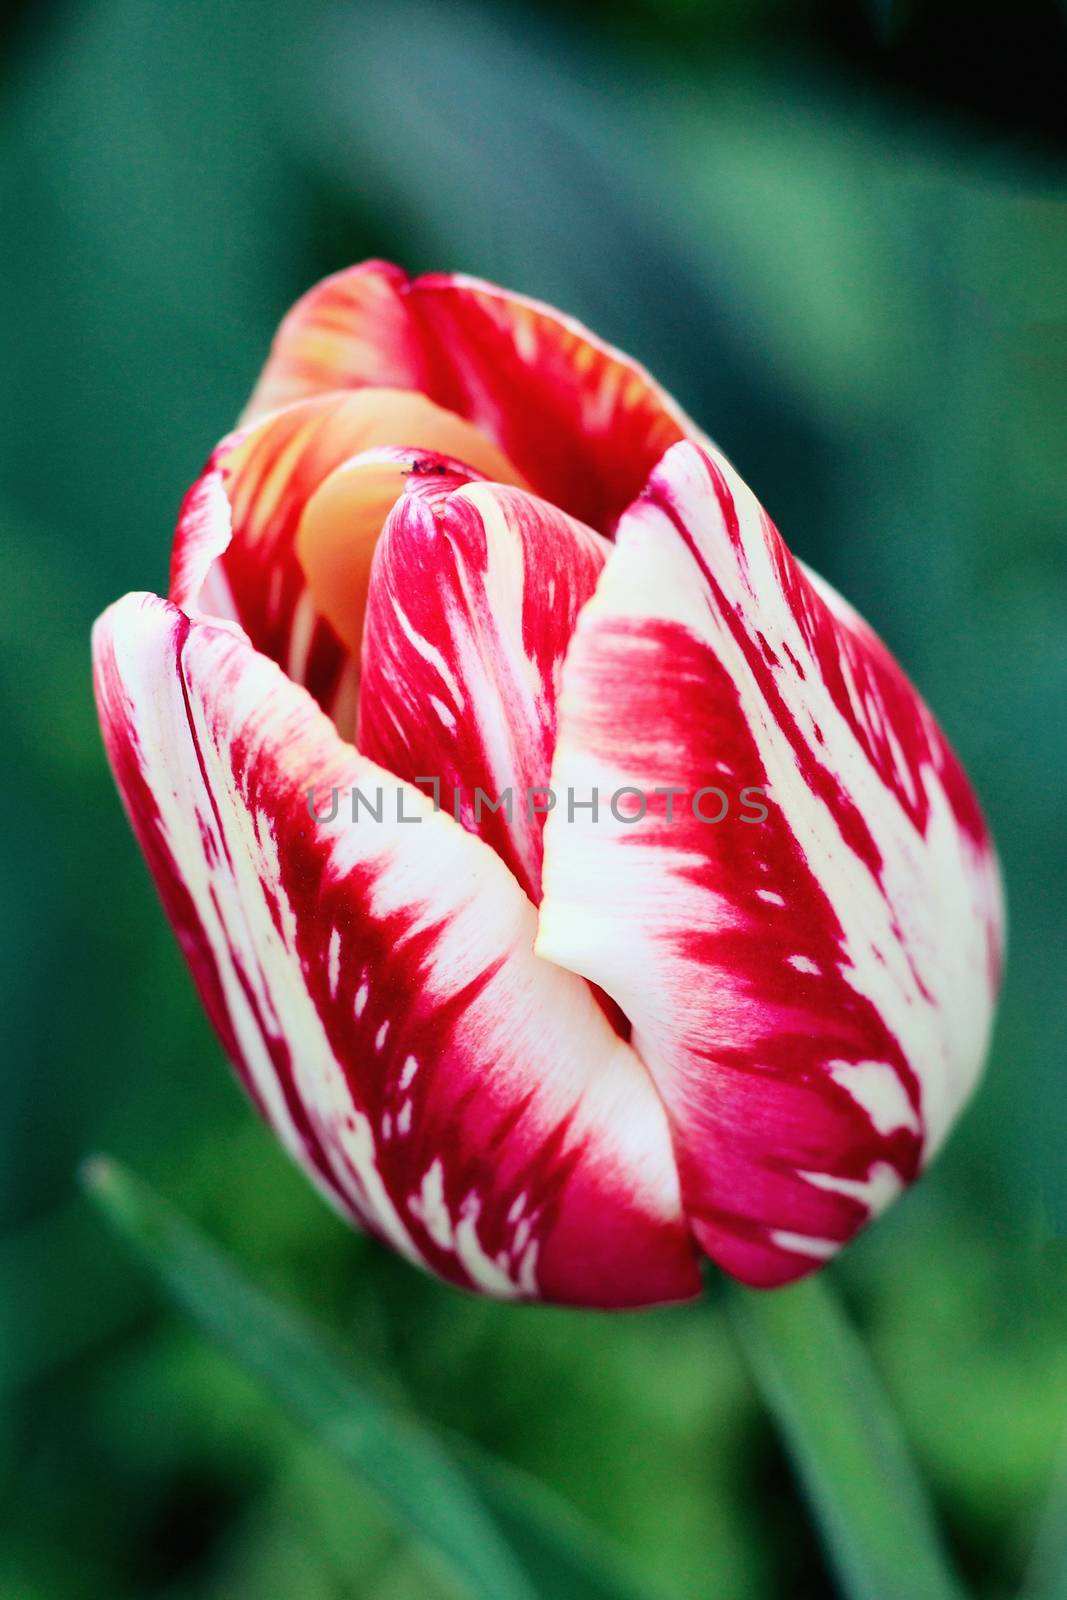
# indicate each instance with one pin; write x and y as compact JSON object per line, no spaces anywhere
{"x":503,"y":1534}
{"x":391,"y":1454}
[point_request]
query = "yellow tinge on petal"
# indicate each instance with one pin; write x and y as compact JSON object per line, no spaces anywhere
{"x":341,"y":522}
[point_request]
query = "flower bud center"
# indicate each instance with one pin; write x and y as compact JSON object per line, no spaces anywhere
{"x":341,"y":522}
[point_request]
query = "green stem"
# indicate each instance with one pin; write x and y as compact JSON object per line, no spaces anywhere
{"x":1047,"y":1576}
{"x":845,"y":1442}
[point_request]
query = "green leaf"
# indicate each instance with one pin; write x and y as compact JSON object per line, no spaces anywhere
{"x":568,"y":1557}
{"x":1047,"y":1577}
{"x":840,"y":1430}
{"x":503,"y":1534}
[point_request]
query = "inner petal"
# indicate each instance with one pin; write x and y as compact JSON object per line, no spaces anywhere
{"x":583,"y":422}
{"x":342,"y":520}
{"x":473,"y":600}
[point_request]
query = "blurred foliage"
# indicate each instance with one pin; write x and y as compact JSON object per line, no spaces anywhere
{"x":840,"y":234}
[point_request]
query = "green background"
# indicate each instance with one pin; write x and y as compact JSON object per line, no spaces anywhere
{"x":840,"y":235}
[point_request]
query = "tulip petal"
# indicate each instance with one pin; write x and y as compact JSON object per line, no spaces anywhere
{"x":375,"y":986}
{"x":240,"y":551}
{"x":582,"y":422}
{"x":234,"y":553}
{"x":473,"y":600}
{"x":351,"y":331}
{"x":811,"y":991}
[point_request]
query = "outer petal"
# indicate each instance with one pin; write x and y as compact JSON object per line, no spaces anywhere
{"x":582,"y":422}
{"x":812,"y":992}
{"x":473,"y":601}
{"x":376,"y":989}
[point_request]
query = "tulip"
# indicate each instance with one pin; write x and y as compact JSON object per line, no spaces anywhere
{"x":558,"y":1051}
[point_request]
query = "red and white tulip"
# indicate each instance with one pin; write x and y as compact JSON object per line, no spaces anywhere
{"x":554,"y":1055}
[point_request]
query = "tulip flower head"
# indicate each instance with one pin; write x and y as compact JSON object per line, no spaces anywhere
{"x":470,"y":634}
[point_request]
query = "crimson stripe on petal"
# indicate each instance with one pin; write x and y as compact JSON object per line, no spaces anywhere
{"x":812,"y":991}
{"x":472,"y":603}
{"x":235,"y":547}
{"x":583,"y":423}
{"x":376,"y":988}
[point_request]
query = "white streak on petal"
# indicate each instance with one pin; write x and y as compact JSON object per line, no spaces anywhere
{"x":484,"y":1272}
{"x":428,"y":1207}
{"x":803,"y":1245}
{"x":444,"y":713}
{"x":875,"y":1192}
{"x":876,"y":1087}
{"x":428,"y":653}
{"x":301,"y":631}
{"x":805,"y":964}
